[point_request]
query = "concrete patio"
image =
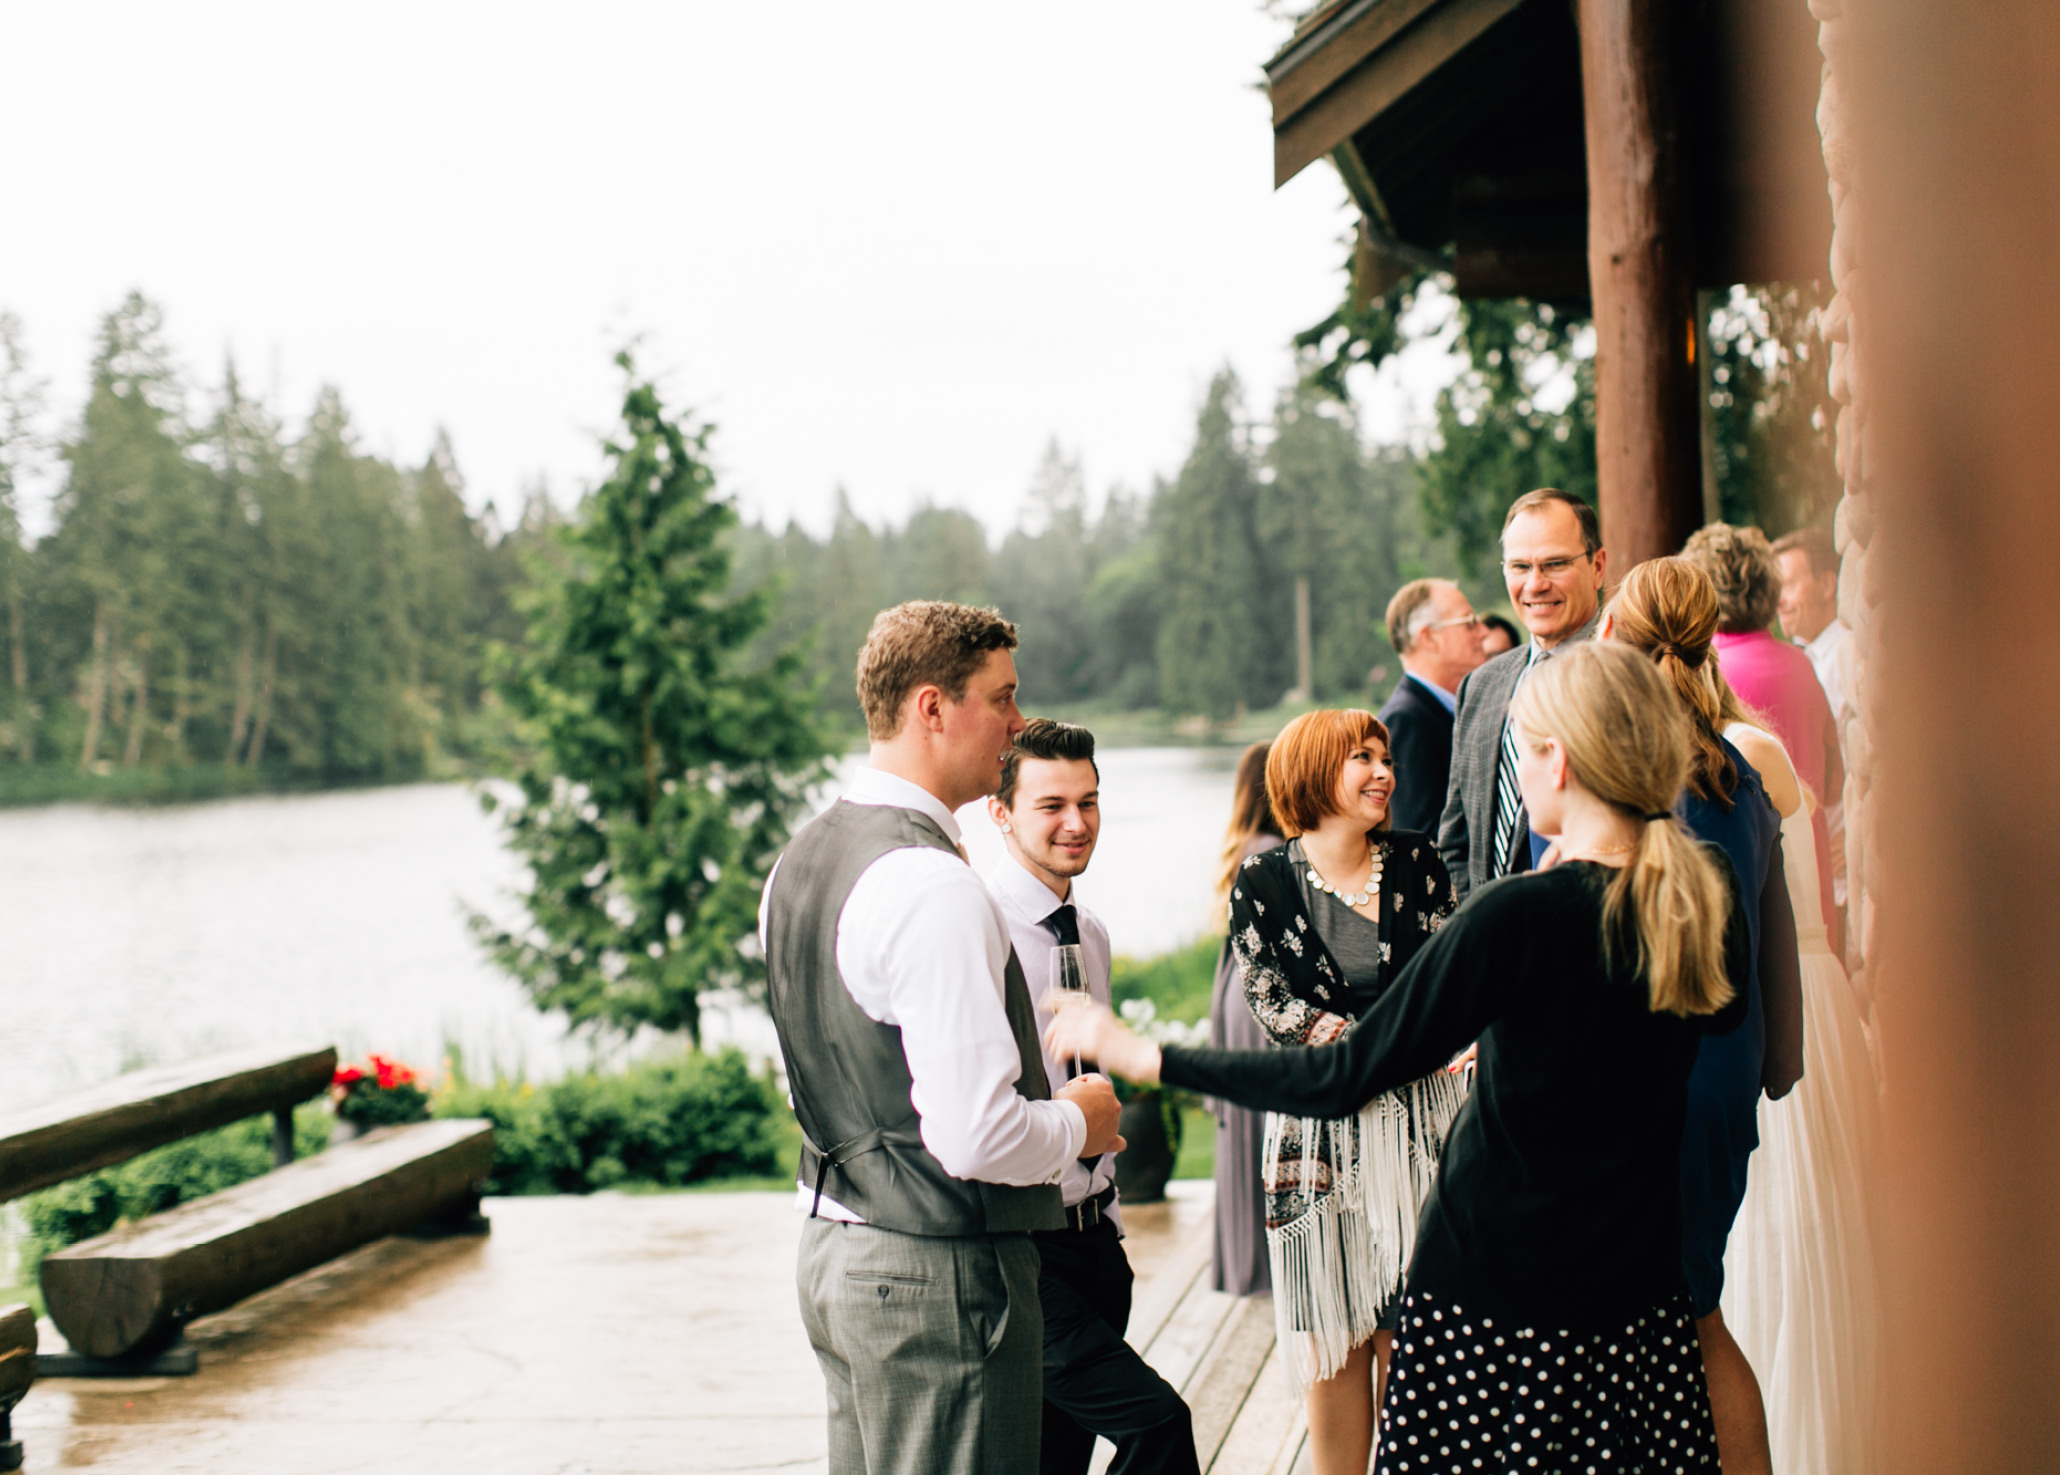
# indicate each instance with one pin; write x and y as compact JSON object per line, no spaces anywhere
{"x":612,"y":1335}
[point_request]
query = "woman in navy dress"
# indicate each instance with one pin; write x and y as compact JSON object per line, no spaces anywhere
{"x":1667,"y":610}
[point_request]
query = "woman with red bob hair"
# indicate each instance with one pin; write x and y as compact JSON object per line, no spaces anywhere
{"x":1320,"y":926}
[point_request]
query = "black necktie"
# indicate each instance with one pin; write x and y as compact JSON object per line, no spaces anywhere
{"x":1065,"y":925}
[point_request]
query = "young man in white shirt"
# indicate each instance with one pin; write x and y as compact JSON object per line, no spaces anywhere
{"x":1809,"y":609}
{"x":1048,"y":809}
{"x":932,"y":1143}
{"x":1808,"y":560}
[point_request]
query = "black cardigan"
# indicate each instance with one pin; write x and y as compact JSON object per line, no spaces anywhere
{"x":1558,"y":1200}
{"x":1296,"y":990}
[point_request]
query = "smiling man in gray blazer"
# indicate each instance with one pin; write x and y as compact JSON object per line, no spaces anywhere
{"x":1553,"y":564}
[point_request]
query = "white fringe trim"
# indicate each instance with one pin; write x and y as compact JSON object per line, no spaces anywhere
{"x":1334,"y":1266}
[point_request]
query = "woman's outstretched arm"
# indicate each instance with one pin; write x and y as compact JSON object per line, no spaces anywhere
{"x":1450,"y":992}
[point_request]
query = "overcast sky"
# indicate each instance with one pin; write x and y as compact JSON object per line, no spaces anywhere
{"x":893,"y":246}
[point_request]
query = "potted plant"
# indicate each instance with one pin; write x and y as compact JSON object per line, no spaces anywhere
{"x":1152,"y":1116}
{"x":380,"y":1093}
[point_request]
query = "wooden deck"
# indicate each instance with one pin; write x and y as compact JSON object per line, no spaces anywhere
{"x":1216,"y":1349}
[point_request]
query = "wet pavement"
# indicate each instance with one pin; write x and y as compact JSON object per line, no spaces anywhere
{"x":612,"y":1335}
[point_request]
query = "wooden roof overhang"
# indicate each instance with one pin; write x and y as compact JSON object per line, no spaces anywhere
{"x":1457,"y":126}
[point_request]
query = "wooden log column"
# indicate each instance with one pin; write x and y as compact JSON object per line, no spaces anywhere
{"x":1648,"y":449}
{"x":1943,"y":147}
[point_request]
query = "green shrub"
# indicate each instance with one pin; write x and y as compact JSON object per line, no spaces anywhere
{"x":1176,"y":983}
{"x":666,"y":1123}
{"x":661,"y":1123}
{"x":161,"y":1179}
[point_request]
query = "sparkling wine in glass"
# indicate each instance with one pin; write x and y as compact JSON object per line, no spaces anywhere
{"x":1069,"y":973}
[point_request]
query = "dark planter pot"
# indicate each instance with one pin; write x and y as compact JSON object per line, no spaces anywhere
{"x":1143,"y":1166}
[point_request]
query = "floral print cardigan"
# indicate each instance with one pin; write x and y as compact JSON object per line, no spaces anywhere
{"x":1298,"y":993}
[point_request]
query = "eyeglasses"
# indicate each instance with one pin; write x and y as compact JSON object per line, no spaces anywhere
{"x":1468,"y":620}
{"x":1551,"y":568}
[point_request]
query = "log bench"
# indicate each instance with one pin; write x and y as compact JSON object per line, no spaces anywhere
{"x":17,"y":1371}
{"x":121,"y":1299}
{"x":130,"y":1290}
{"x":111,"y":1123}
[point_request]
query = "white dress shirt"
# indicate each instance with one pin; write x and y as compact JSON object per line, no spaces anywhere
{"x":1025,"y":903}
{"x":1828,"y":654}
{"x":922,"y":946}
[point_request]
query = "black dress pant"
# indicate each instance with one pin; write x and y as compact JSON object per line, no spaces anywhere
{"x":1094,"y":1384}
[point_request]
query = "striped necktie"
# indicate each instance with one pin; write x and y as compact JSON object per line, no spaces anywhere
{"x":1509,"y":799}
{"x":1508,"y":803}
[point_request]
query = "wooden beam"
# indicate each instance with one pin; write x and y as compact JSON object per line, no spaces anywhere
{"x":1310,"y":63}
{"x":134,"y":1287}
{"x":1438,"y":33}
{"x":1647,"y":432}
{"x":131,"y":1114}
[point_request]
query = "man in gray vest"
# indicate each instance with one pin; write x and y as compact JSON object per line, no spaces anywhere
{"x":932,"y":1143}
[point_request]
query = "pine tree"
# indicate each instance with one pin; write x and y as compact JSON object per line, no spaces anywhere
{"x":355,"y":649}
{"x":132,"y":518}
{"x":667,"y":771}
{"x":1042,"y":578}
{"x":1214,"y":656}
{"x":21,"y":407}
{"x":1339,"y":519}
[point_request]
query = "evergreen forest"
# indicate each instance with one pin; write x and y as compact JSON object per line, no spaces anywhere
{"x":225,"y":598}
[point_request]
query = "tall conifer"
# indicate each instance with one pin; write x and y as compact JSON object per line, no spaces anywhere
{"x":667,"y":770}
{"x":1214,"y":652}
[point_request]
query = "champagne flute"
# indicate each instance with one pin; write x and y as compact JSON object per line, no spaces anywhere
{"x":1069,"y":975}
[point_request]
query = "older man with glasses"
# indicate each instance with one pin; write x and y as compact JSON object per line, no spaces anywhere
{"x":1553,"y":564}
{"x":1434,"y":630}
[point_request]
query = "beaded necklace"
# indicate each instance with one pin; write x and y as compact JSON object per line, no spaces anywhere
{"x":1352,"y":898}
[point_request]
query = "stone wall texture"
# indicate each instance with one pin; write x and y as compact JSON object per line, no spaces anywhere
{"x":1859,"y":587}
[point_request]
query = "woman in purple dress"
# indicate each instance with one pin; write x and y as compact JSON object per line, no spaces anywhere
{"x":1240,"y":1260}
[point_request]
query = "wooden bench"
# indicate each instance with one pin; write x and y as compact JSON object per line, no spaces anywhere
{"x":17,"y":1371}
{"x":130,"y":1290}
{"x":122,"y":1297}
{"x":111,"y":1123}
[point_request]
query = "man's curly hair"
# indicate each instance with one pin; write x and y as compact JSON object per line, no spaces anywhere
{"x":925,"y":642}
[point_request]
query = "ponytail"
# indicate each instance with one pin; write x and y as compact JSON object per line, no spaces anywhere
{"x":1671,"y":903}
{"x":1628,"y":742}
{"x":1667,"y":608}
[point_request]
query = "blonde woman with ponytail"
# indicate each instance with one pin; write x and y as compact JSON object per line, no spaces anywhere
{"x":1545,"y":1320}
{"x":1668,"y":611}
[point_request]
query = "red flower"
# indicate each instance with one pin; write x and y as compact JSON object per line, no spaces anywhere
{"x":346,"y":1077}
{"x":390,"y":1073}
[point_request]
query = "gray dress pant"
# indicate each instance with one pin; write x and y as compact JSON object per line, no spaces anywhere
{"x":931,"y":1349}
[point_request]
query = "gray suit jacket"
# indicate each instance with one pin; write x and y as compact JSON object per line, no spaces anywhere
{"x":1466,"y":831}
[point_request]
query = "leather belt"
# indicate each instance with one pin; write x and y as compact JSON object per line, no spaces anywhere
{"x":1090,"y":1212}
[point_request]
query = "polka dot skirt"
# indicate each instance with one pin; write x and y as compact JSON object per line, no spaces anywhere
{"x":1467,"y":1393}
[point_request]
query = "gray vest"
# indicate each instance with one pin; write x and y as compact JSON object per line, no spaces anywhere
{"x":861,"y":1139}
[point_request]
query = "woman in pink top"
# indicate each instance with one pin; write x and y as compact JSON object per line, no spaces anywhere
{"x":1771,"y":675}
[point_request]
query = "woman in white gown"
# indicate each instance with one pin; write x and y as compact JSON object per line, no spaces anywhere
{"x":1799,"y":1273}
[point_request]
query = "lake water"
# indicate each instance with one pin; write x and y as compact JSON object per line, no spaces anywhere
{"x":146,"y":936}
